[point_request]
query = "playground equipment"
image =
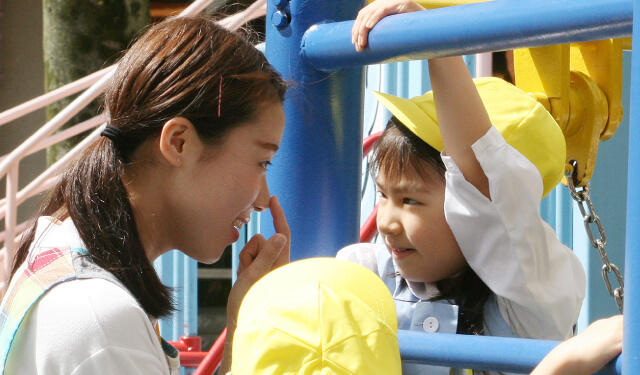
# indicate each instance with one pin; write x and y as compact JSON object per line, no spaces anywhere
{"x":317,"y":172}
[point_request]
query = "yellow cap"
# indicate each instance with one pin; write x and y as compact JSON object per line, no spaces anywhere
{"x":317,"y":316}
{"x":523,"y":122}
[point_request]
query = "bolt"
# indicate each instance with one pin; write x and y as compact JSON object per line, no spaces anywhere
{"x":280,"y":19}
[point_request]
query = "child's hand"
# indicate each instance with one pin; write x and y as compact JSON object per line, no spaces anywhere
{"x":586,"y":353}
{"x":371,"y":14}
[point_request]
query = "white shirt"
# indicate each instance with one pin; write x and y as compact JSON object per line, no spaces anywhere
{"x":84,"y":326}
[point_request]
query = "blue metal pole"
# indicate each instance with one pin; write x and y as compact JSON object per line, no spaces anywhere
{"x":489,"y":353}
{"x":473,"y":28}
{"x":178,"y":294}
{"x":316,"y":174}
{"x":631,"y":338}
{"x":190,"y":297}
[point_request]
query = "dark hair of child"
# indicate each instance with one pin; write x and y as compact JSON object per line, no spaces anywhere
{"x":397,"y":151}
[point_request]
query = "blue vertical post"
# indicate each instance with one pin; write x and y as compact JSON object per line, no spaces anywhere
{"x":631,"y":340}
{"x":316,"y":174}
{"x":178,"y":293}
{"x":190,"y":297}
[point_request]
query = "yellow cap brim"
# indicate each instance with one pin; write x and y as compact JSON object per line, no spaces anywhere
{"x":414,"y":118}
{"x":522,"y":121}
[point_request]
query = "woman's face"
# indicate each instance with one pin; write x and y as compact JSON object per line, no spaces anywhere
{"x":219,"y":193}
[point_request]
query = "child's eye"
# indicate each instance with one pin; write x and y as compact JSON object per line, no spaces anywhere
{"x":410,"y":201}
{"x":265,"y":164}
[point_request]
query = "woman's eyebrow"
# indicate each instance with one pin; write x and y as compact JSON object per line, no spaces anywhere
{"x":267,"y":145}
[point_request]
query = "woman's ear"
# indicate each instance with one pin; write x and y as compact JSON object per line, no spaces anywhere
{"x":179,"y":142}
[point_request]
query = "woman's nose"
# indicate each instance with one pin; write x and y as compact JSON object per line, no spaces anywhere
{"x":262,"y":201}
{"x":387,"y":221}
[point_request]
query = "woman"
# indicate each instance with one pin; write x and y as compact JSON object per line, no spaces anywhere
{"x":194,"y":118}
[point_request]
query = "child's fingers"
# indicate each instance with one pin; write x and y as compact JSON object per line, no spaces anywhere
{"x":371,"y":20}
{"x":357,"y":25}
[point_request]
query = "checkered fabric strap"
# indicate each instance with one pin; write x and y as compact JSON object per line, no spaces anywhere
{"x":33,"y":279}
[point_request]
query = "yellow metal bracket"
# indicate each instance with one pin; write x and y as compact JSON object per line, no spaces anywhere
{"x":581,"y":85}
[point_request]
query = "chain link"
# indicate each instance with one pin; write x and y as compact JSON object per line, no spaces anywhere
{"x":582,"y":196}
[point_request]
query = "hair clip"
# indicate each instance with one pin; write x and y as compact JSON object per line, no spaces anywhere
{"x":220,"y":97}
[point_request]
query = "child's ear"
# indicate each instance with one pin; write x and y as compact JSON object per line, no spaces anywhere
{"x":179,"y":142}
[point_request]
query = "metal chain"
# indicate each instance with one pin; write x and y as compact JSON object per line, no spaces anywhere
{"x":582,"y":197}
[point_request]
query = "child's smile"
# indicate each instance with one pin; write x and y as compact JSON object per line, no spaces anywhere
{"x":412,"y":223}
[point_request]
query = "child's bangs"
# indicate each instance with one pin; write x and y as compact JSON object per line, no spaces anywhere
{"x":399,"y":153}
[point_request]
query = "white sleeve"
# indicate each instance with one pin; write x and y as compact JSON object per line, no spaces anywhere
{"x":84,"y":327}
{"x":362,"y":253}
{"x":539,"y":282}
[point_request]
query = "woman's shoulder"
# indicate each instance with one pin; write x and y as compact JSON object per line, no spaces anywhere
{"x":90,"y":309}
{"x":84,"y":320}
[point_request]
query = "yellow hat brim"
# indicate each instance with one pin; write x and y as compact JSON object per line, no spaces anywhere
{"x":523,"y":122}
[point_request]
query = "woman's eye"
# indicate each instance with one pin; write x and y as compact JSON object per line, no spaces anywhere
{"x":381,"y":194}
{"x":265,"y":164}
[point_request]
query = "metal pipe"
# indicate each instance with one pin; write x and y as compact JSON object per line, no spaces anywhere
{"x":10,"y":221}
{"x":489,"y":353}
{"x":631,"y":335}
{"x":52,"y":96}
{"x":65,"y":134}
{"x":50,"y":172}
{"x":467,"y":29}
{"x":18,"y":230}
{"x":56,"y":122}
{"x":316,"y":173}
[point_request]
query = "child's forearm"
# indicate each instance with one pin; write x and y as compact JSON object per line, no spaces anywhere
{"x":461,"y":115}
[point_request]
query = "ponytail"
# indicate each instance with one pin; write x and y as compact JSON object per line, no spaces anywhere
{"x":92,"y":194}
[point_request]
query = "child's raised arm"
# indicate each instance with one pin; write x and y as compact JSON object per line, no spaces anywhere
{"x":461,"y":114}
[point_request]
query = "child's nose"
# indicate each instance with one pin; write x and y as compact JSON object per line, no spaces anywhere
{"x":387,"y":223}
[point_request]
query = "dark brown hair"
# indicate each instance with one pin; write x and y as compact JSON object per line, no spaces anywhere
{"x":178,"y":67}
{"x":397,"y":152}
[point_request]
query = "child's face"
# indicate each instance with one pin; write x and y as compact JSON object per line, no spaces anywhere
{"x":411,"y":221}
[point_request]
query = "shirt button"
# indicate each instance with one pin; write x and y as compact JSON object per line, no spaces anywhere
{"x":431,"y":324}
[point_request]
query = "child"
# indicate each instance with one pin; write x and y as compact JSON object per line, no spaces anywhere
{"x":336,"y":318}
{"x":465,"y":249}
{"x":339,"y":318}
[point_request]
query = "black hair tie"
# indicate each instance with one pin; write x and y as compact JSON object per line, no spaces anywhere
{"x":113,"y":133}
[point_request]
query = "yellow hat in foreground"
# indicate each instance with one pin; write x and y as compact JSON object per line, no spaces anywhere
{"x":523,"y":122}
{"x":317,"y":316}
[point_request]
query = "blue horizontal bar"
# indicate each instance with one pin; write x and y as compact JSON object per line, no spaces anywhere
{"x":472,"y":28}
{"x":488,"y":353}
